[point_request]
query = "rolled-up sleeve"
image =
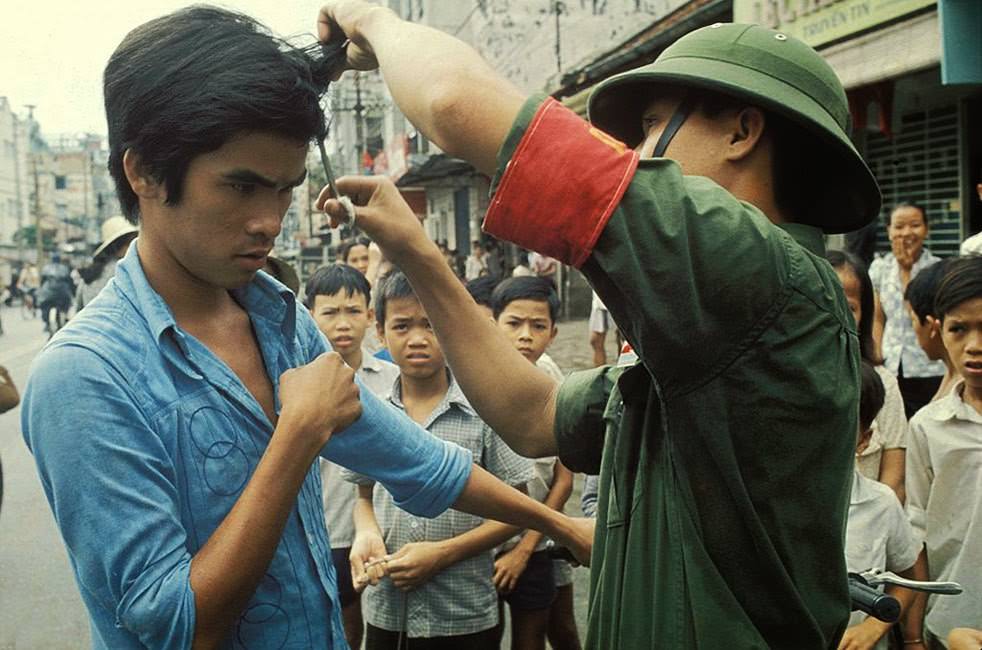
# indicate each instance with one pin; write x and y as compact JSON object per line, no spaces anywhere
{"x":920,"y":476}
{"x":424,"y":475}
{"x":582,"y":417}
{"x":112,"y":488}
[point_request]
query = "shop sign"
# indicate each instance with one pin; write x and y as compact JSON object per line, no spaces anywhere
{"x":821,"y":21}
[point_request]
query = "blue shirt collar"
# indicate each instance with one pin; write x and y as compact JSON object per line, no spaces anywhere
{"x":263,"y":298}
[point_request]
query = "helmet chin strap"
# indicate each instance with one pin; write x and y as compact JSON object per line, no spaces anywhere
{"x":674,"y":124}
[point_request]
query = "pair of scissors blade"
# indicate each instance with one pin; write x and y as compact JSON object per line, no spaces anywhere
{"x":328,"y":172}
{"x":346,"y":202}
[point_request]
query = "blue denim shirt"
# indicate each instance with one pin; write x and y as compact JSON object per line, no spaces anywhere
{"x":144,"y":441}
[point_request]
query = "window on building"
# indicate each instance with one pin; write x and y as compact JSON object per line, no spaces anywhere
{"x":61,"y":182}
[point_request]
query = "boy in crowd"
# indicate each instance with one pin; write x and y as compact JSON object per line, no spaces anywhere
{"x":354,"y":252}
{"x":338,"y":298}
{"x":481,"y":290}
{"x":919,"y":299}
{"x":878,"y":536}
{"x":477,"y":262}
{"x":442,"y":566}
{"x":944,"y":456}
{"x":539,"y":592}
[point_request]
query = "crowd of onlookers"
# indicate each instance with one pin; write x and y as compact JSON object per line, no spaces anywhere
{"x":916,"y":499}
{"x":917,"y":494}
{"x":451,"y":577}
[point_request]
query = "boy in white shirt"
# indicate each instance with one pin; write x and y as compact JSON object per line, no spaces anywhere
{"x":339,"y":297}
{"x":944,"y":470}
{"x":878,"y":536}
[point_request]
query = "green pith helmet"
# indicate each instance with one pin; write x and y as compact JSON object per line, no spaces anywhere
{"x":771,"y":70}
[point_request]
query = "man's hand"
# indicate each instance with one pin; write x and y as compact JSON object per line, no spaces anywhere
{"x":320,"y":398}
{"x":508,"y":568}
{"x":342,"y":19}
{"x":578,"y":537}
{"x":903,"y":251}
{"x":380,"y":211}
{"x":963,"y":638}
{"x":367,"y":549}
{"x":414,"y":564}
{"x":863,"y":636}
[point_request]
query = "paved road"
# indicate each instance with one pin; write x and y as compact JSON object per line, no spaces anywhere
{"x":39,"y":604}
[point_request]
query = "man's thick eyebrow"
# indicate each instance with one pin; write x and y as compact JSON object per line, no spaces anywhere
{"x":251,"y":177}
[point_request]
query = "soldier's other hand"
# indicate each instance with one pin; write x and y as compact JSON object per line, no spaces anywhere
{"x":380,"y":211}
{"x":343,"y":19}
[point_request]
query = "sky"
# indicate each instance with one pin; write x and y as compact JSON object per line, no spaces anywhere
{"x":52,"y":52}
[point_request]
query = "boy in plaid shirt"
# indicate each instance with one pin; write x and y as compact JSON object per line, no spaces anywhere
{"x":438,"y":590}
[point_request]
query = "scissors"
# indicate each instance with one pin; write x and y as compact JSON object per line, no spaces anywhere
{"x":333,"y":55}
{"x":346,"y":203}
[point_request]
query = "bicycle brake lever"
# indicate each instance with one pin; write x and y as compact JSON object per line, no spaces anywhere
{"x":876,"y":577}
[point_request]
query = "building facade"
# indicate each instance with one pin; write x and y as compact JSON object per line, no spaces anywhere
{"x":918,"y":126}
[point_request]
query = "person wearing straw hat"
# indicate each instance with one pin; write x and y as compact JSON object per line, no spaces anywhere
{"x":694,"y":201}
{"x":117,"y":233}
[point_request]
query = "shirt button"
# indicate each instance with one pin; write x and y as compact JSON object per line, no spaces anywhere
{"x":414,"y":525}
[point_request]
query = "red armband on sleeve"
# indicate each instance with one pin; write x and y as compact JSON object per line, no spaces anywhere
{"x":560,"y":186}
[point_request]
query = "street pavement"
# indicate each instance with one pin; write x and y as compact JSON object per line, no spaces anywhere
{"x":39,"y":603}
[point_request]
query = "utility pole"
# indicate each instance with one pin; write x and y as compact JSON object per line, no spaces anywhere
{"x":20,"y":196}
{"x":558,"y":7}
{"x":359,"y":124}
{"x":38,"y":238}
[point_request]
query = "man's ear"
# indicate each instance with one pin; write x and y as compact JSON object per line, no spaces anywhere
{"x":747,"y":128}
{"x":142,"y":183}
{"x":935,"y":326}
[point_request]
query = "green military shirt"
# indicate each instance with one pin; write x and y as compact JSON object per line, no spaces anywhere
{"x":728,"y":448}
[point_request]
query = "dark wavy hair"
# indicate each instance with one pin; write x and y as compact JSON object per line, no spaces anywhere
{"x":186,"y":83}
{"x":332,"y":279}
{"x":871,"y":395}
{"x":962,"y":282}
{"x":922,"y":288}
{"x":527,"y":287}
{"x":843,"y":260}
{"x":392,"y":286}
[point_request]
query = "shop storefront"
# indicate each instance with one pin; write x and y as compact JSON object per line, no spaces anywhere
{"x":921,"y":137}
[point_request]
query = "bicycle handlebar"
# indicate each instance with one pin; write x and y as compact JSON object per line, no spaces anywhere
{"x":875,"y":603}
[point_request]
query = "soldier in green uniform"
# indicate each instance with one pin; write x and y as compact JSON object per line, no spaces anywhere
{"x":694,"y":202}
